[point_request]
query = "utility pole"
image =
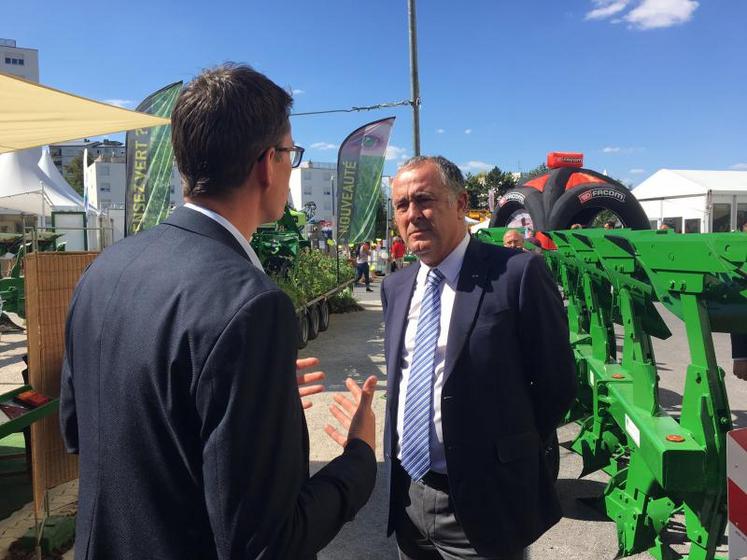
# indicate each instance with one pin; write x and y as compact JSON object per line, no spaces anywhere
{"x":414,"y":83}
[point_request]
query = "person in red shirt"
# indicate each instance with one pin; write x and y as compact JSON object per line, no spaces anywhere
{"x":398,"y":253}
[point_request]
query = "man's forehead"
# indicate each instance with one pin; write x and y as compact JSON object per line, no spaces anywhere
{"x":417,"y":180}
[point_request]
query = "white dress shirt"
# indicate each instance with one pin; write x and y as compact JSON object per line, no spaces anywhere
{"x":232,"y":229}
{"x":450,"y":268}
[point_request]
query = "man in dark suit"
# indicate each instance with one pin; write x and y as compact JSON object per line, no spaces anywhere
{"x":479,"y":371}
{"x":179,"y":389}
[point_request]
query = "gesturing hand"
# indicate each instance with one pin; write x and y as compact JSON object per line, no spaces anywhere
{"x":355,"y":415}
{"x":314,"y":376}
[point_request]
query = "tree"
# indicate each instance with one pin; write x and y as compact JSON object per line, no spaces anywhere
{"x":479,"y":186}
{"x":538,"y":171}
{"x":74,"y":172}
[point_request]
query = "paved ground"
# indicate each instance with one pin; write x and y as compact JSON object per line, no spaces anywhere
{"x":353,"y":346}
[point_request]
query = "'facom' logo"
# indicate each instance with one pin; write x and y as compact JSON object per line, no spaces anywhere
{"x":597,"y":193}
{"x":508,"y":197}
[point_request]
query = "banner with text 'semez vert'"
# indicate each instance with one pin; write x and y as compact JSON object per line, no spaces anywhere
{"x":359,"y":166}
{"x":150,"y":161}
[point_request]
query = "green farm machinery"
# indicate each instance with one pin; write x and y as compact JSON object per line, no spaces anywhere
{"x":662,"y":469}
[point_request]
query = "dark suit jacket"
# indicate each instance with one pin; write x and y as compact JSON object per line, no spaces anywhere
{"x":510,"y":378}
{"x":738,"y":346}
{"x":179,"y":393}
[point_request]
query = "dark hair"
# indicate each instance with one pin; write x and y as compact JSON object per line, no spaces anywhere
{"x":223,"y":121}
{"x":451,"y":175}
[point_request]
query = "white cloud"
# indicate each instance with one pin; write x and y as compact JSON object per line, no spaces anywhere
{"x":739,"y":167}
{"x":395,"y":152}
{"x":297,"y":91}
{"x":468,"y":131}
{"x":656,"y":14}
{"x":323,"y":146}
{"x":606,"y":8}
{"x":645,"y":14}
{"x":477,"y":166}
{"x":124,"y":103}
{"x":621,"y":149}
{"x":440,"y":131}
{"x":637,"y":171}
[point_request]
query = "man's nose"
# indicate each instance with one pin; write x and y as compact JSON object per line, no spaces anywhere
{"x":413,"y":212}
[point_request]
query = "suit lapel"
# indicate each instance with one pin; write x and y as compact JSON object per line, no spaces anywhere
{"x":398,"y":304}
{"x":469,"y":292}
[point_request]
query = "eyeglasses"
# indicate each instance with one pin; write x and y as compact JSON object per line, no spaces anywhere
{"x":295,"y":153}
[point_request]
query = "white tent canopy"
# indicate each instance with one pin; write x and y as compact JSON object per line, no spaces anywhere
{"x":49,"y":168}
{"x":25,"y":187}
{"x":695,"y":201}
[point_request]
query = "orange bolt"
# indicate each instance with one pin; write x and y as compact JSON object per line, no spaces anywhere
{"x":675,"y":438}
{"x":618,"y":376}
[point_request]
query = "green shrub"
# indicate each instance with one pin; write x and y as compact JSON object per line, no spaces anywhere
{"x":313,"y":273}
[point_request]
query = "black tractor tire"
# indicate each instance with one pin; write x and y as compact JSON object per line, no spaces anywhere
{"x":323,"y":315}
{"x":303,"y":329}
{"x":520,"y":198}
{"x":313,"y":321}
{"x":581,"y":204}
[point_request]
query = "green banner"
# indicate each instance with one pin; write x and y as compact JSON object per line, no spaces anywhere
{"x":150,"y":161}
{"x":360,"y":163}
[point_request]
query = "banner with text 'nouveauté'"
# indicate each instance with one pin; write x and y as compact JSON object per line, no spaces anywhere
{"x":360,"y":163}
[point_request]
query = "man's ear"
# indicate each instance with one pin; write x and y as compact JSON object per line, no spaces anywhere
{"x":263,"y":169}
{"x":462,"y":203}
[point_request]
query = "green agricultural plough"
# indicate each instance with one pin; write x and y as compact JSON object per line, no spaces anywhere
{"x":663,"y":469}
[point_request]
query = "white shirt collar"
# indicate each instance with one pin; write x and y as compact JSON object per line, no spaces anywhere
{"x":451,"y":265}
{"x":232,"y":229}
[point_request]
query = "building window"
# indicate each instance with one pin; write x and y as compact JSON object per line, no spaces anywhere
{"x":7,"y":60}
{"x":307,"y":190}
{"x":172,"y":189}
{"x":105,"y":187}
{"x":692,"y":225}
{"x":674,"y":223}
{"x":721,"y":217}
{"x":741,"y":215}
{"x":20,"y":62}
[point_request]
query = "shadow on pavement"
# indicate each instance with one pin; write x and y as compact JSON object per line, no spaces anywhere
{"x":577,"y":497}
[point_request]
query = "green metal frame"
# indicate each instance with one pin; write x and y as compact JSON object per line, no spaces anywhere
{"x":660,"y":466}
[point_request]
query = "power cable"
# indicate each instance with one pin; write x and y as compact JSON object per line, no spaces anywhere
{"x":355,"y":109}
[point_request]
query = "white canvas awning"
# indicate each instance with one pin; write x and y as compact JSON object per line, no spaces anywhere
{"x":34,"y":115}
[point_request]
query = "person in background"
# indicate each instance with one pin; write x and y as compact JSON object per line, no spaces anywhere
{"x":513,"y":239}
{"x":361,"y":265}
{"x":479,"y":373}
{"x":181,"y":395}
{"x":610,"y":224}
{"x":398,"y":253}
{"x":577,"y":226}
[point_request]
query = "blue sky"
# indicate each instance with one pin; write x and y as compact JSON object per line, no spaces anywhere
{"x":636,"y":85}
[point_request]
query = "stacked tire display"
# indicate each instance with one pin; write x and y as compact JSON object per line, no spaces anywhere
{"x":565,"y":196}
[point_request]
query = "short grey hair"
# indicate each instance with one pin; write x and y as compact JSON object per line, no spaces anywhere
{"x":451,"y":175}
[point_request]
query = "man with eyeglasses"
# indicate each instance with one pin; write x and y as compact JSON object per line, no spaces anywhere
{"x":179,"y":380}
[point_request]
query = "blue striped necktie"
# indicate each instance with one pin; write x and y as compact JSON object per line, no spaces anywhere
{"x":416,"y":431}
